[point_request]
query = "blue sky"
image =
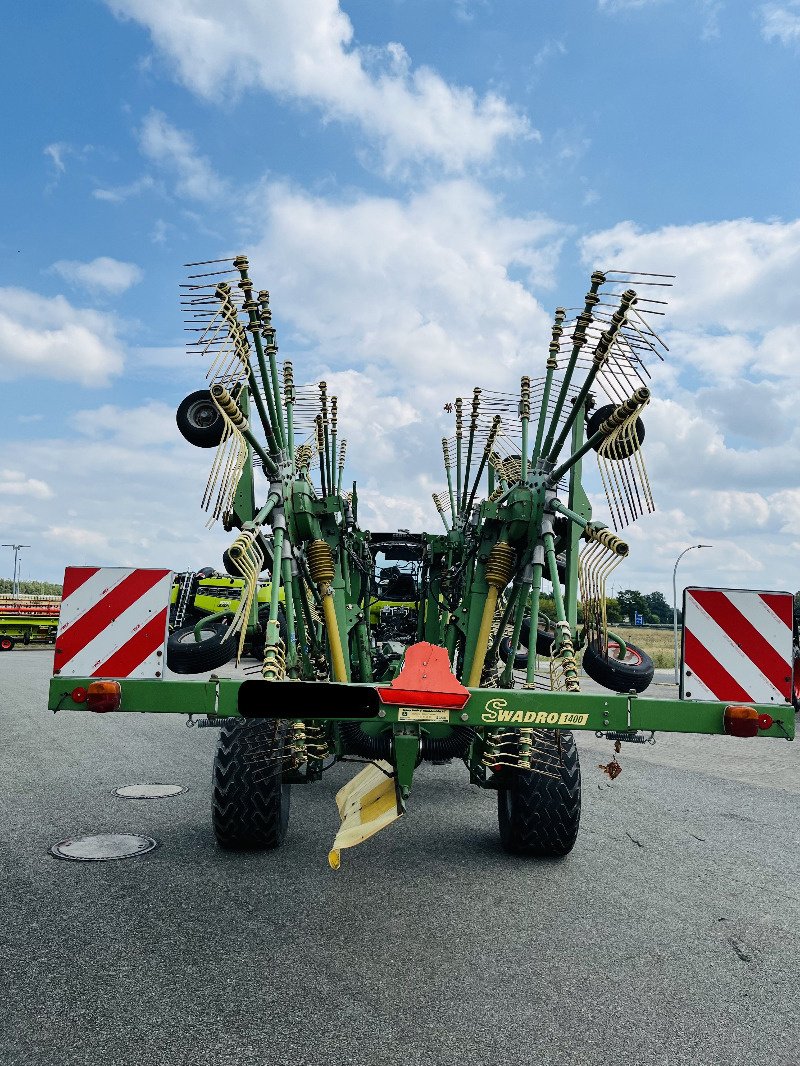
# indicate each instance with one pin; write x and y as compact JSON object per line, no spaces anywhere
{"x":418,"y":183}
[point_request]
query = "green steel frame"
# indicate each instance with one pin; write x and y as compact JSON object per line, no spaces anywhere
{"x":486,"y":570}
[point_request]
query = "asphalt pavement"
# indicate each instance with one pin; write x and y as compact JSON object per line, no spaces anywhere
{"x":669,"y":935}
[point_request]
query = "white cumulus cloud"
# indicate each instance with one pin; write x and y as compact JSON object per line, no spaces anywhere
{"x":422,"y":290}
{"x":304,"y":50}
{"x":102,"y":274}
{"x":781,"y":22}
{"x":49,"y":337}
{"x":15,"y":483}
{"x":175,"y":150}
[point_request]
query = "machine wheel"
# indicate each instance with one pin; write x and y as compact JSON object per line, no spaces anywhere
{"x":596,"y":420}
{"x":520,"y":659}
{"x":635,"y":671}
{"x":7,"y":643}
{"x":539,"y":815}
{"x":250,"y":801}
{"x":199,"y":420}
{"x":185,"y":655}
{"x":544,"y":638}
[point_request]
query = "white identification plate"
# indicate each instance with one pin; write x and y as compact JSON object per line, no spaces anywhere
{"x":412,"y":714}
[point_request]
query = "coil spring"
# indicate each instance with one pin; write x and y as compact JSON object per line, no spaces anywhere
{"x":500,"y":565}
{"x":320,"y":561}
{"x":525,"y":748}
{"x":627,"y":738}
{"x":316,"y":742}
{"x":490,"y":440}
{"x":274,"y":665}
{"x":297,"y":743}
{"x":622,"y":413}
{"x":607,"y":539}
{"x":525,"y":397}
{"x":566,"y":659}
{"x":226,"y":403}
{"x":555,"y":342}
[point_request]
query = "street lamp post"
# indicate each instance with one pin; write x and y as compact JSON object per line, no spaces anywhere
{"x":675,"y":599}
{"x":17,"y":548}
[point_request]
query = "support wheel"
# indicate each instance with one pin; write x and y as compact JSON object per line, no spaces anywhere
{"x":7,"y":643}
{"x":544,"y":638}
{"x":635,"y":671}
{"x":520,"y":659}
{"x":250,"y":801}
{"x":539,"y":815}
{"x":199,"y":420}
{"x":185,"y":655}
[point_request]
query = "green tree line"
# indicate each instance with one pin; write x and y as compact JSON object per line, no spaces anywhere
{"x":29,"y":588}
{"x":622,"y":608}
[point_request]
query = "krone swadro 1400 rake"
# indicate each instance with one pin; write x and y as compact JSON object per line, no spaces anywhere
{"x":390,"y":648}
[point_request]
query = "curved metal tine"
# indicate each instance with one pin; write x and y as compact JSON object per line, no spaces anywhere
{"x":643,"y":299}
{"x":232,"y":272}
{"x":649,"y":310}
{"x":636,"y":274}
{"x":208,"y":262}
{"x":650,"y":329}
{"x":632,"y":360}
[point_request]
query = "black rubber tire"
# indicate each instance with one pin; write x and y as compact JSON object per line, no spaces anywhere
{"x":544,"y":638}
{"x":636,"y":672}
{"x":7,"y":643}
{"x":599,"y":416}
{"x":520,"y":659}
{"x":250,"y":800}
{"x":199,"y":420}
{"x":539,"y":815}
{"x":185,"y":655}
{"x":230,"y":567}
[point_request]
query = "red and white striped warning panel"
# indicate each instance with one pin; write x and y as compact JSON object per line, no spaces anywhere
{"x":113,"y":622}
{"x":737,"y":645}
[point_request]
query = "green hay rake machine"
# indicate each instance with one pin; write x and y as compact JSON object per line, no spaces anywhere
{"x":443,"y":654}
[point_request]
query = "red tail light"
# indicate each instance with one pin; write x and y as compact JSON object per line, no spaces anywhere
{"x":407,"y":697}
{"x":742,"y":721}
{"x":103,"y":696}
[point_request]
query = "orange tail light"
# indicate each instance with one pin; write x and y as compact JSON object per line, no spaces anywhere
{"x":103,"y":696}
{"x":742,"y":721}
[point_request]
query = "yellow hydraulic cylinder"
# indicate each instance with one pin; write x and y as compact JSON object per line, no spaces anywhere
{"x":499,"y":568}
{"x":320,"y":563}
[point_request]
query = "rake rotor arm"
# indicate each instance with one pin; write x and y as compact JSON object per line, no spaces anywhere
{"x":634,"y":403}
{"x":608,"y":337}
{"x":582,"y":324}
{"x":551,"y":367}
{"x":487,"y":451}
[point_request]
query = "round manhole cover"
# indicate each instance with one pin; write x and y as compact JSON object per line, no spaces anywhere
{"x":103,"y":847}
{"x":148,"y":791}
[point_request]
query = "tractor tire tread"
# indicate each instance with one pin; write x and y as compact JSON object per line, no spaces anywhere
{"x":250,"y":802}
{"x":539,"y":816}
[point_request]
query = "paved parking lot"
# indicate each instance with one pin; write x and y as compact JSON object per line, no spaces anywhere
{"x":668,"y":936}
